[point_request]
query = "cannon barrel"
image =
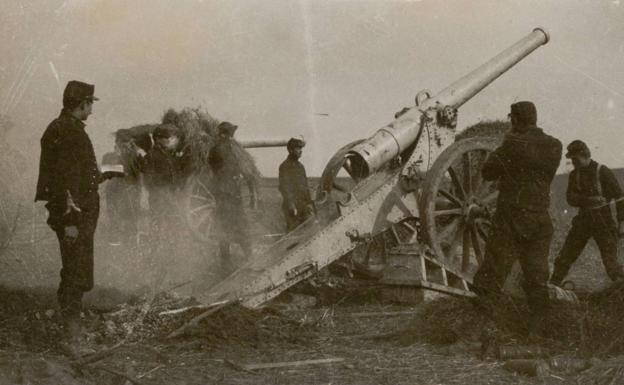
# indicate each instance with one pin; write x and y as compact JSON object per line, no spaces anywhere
{"x":390,"y":141}
{"x":264,"y":143}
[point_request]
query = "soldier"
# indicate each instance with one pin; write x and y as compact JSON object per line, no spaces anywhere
{"x":591,"y":187}
{"x":524,"y":165}
{"x":166,"y":166}
{"x":293,"y":184}
{"x":228,"y":178}
{"x":68,"y":181}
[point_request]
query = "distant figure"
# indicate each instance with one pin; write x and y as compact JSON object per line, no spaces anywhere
{"x":293,"y":184}
{"x":228,"y":180}
{"x":591,"y":187}
{"x":68,"y":181}
{"x":524,"y":165}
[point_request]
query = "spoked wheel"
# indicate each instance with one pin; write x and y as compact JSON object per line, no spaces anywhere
{"x":456,"y":205}
{"x":199,"y":208}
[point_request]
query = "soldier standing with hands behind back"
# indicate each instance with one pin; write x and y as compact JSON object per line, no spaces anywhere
{"x":591,"y":187}
{"x":68,"y":181}
{"x":293,"y":184}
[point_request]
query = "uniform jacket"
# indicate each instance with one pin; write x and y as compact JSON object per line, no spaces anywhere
{"x":228,"y":174}
{"x":67,"y":163}
{"x":586,"y":182}
{"x":293,"y":183}
{"x":165,"y":168}
{"x":524,"y":165}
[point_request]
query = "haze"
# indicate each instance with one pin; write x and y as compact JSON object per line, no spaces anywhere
{"x":332,"y":71}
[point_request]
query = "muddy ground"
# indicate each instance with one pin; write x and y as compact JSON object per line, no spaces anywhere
{"x":31,"y":354}
{"x":347,"y":321}
{"x":136,"y":282}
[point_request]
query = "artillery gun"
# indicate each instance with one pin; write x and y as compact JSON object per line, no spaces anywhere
{"x":414,"y":192}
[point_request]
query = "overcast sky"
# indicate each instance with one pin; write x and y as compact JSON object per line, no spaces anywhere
{"x":276,"y":68}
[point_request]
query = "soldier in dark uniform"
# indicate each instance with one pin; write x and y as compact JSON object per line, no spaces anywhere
{"x":524,"y":166}
{"x":591,"y":188}
{"x":293,"y":184}
{"x":68,"y":181}
{"x":228,"y":180}
{"x":166,"y":167}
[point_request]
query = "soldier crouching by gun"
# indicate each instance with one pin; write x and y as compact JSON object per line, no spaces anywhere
{"x":68,"y":181}
{"x":591,"y":187}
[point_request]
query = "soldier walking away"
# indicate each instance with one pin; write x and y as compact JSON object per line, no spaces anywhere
{"x":68,"y":181}
{"x":524,"y":166}
{"x":293,"y":184}
{"x":228,"y":179}
{"x":591,"y":188}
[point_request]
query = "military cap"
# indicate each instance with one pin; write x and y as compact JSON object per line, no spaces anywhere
{"x":226,"y":128}
{"x":295,"y":142}
{"x":577,"y":148}
{"x":76,"y":91}
{"x":525,"y":112}
{"x":165,"y":131}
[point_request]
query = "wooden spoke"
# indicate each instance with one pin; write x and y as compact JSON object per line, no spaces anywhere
{"x":199,"y":208}
{"x":452,"y":198}
{"x":476,"y":244}
{"x":457,"y":183}
{"x":467,"y":171}
{"x":202,"y":207}
{"x":200,"y":197}
{"x":448,"y":212}
{"x":466,"y":243}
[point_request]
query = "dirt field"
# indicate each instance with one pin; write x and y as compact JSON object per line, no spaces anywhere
{"x":348,"y":332}
{"x":348,"y":323}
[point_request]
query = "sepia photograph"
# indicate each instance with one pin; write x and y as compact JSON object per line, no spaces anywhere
{"x":332,"y":192}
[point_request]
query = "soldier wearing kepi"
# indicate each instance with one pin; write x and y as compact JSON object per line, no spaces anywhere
{"x":293,"y":184}
{"x":68,"y":181}
{"x":591,"y":187}
{"x":524,"y":165}
{"x":228,"y":180}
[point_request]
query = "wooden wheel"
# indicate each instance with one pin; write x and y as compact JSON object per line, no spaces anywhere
{"x":456,"y":204}
{"x":199,"y":208}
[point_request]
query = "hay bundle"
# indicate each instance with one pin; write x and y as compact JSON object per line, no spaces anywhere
{"x":594,"y":327}
{"x":198,"y":134}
